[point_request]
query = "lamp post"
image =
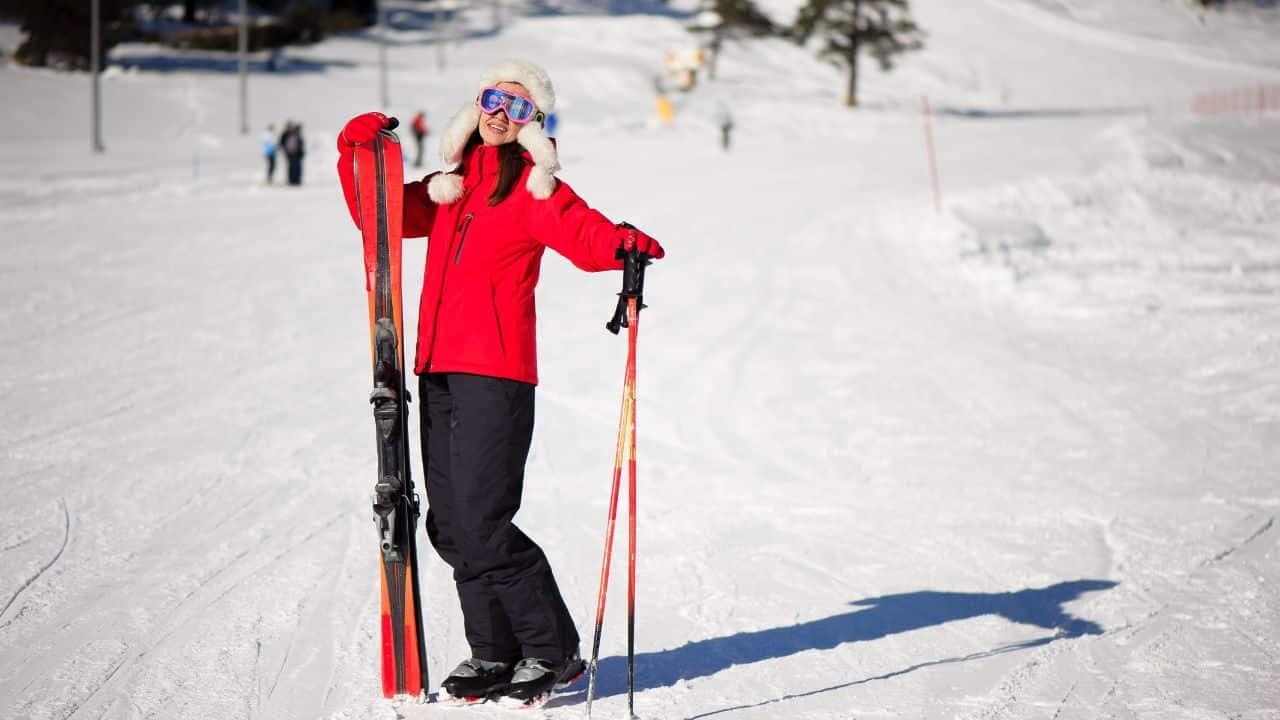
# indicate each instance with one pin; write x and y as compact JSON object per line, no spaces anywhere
{"x":382,"y":56}
{"x":440,"y":18}
{"x":244,"y":67}
{"x":95,"y":52}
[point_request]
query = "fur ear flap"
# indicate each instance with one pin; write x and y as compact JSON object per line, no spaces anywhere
{"x":540,"y":183}
{"x":444,"y":188}
{"x":546,"y":162}
{"x":534,"y":139}
{"x":459,"y":131}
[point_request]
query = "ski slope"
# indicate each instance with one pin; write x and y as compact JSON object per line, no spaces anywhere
{"x":1016,"y":459}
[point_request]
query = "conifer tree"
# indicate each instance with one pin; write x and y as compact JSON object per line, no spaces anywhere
{"x":883,"y":28}
{"x":58,"y":31}
{"x":732,"y":19}
{"x":742,"y":17}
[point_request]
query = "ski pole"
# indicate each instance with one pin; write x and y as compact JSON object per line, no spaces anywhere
{"x":626,"y":314}
{"x":633,"y":321}
{"x":623,"y":426}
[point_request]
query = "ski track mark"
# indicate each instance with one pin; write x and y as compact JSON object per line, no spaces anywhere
{"x":66,"y":538}
{"x":180,"y":613}
{"x":1253,"y":536}
{"x":105,"y":681}
{"x":1004,"y":701}
{"x":293,"y":637}
{"x":1014,"y":647}
{"x":15,"y":546}
{"x":737,"y":349}
{"x":284,"y":661}
{"x":365,"y":602}
{"x":1058,"y":712}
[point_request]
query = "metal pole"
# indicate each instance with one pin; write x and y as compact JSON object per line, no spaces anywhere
{"x":95,"y":51}
{"x":456,"y":27}
{"x":382,"y":55}
{"x":244,"y":67}
{"x":442,"y":35}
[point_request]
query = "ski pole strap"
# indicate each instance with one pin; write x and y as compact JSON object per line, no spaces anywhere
{"x":633,"y":264}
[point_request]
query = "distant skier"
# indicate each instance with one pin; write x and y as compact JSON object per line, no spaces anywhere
{"x":419,"y":127}
{"x":269,"y":151}
{"x":489,"y":222}
{"x":294,"y":150}
{"x":725,"y":121}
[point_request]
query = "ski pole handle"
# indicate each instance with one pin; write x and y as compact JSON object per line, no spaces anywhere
{"x":633,"y":265}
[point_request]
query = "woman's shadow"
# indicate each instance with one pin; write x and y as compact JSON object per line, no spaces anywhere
{"x":875,"y":618}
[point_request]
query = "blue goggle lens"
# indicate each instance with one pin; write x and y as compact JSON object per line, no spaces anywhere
{"x":518,"y":108}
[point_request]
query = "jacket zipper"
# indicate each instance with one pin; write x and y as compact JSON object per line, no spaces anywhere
{"x":462,"y":237}
{"x":457,"y":255}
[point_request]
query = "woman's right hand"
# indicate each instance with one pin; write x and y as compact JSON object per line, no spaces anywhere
{"x":359,"y":130}
{"x":362,"y":129}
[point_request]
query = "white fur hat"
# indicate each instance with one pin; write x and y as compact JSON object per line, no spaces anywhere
{"x":446,"y":187}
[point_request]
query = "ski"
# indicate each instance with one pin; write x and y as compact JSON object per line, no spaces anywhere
{"x":379,"y":174}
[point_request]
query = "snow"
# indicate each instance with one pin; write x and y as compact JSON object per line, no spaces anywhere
{"x":1012,"y":460}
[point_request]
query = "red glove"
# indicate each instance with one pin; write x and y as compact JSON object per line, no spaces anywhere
{"x":359,"y":130}
{"x":633,"y":239}
{"x":362,"y":129}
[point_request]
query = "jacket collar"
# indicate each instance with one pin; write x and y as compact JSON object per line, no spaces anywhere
{"x":480,"y":164}
{"x":481,"y":161}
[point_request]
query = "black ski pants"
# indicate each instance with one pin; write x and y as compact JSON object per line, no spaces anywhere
{"x":476,"y":433}
{"x":295,"y":169}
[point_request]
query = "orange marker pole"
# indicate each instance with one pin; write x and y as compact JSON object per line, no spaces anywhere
{"x":933,"y":160}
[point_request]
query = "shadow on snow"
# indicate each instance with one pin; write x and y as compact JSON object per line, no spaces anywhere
{"x":1001,"y":113}
{"x":398,"y":20}
{"x":220,"y":63}
{"x":404,"y":19}
{"x":424,"y":18}
{"x":875,"y":618}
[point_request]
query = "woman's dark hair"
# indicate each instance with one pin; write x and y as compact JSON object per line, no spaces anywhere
{"x":511,"y":164}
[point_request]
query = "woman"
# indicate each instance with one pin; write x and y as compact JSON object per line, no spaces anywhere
{"x":488,"y":221}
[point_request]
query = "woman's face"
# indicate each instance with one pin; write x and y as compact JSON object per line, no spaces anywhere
{"x":497,"y":129}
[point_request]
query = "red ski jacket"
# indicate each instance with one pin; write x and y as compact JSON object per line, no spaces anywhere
{"x":477,"y":312}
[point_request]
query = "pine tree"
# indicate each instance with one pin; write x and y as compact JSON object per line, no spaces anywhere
{"x":191,"y":10}
{"x":882,"y":27}
{"x":732,"y":19}
{"x":742,"y":17}
{"x":58,"y":31}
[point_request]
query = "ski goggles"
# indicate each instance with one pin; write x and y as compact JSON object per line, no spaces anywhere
{"x":519,"y":109}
